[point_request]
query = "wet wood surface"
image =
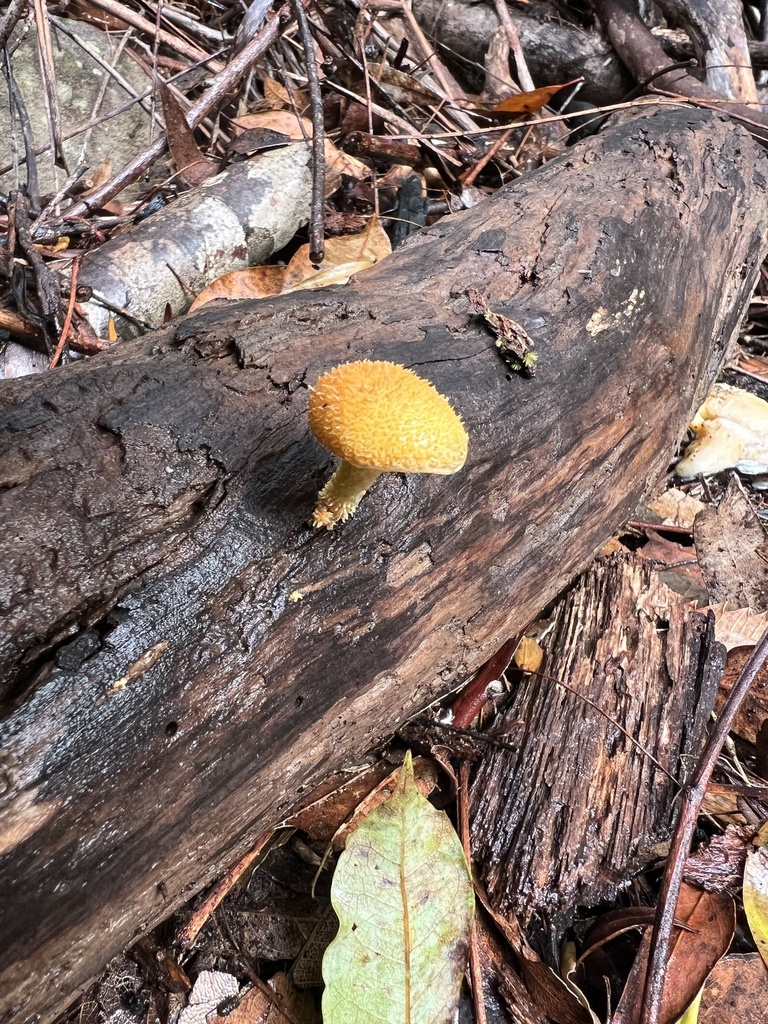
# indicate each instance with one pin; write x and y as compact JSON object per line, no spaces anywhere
{"x":182,"y":656}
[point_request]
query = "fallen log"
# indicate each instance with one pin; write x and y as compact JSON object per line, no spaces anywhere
{"x":182,"y":656}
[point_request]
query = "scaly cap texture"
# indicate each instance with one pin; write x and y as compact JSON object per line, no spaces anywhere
{"x":379,"y":415}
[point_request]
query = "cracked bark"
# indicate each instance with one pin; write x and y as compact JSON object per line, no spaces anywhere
{"x":167,"y":696}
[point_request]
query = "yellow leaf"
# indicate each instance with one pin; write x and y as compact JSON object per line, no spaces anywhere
{"x":756,"y":898}
{"x":528,"y":655}
{"x":691,"y":1015}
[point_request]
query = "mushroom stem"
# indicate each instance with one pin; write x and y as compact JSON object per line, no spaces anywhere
{"x":341,"y":495}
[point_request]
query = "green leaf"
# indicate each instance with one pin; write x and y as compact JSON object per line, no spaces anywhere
{"x":403,"y":894}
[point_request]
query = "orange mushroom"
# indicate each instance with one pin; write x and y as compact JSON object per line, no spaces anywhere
{"x":379,"y":417}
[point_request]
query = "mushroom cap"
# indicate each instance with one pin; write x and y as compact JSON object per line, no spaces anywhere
{"x":378,"y":415}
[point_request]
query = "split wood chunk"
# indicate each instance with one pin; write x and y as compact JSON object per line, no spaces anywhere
{"x":181,"y":655}
{"x":567,"y":819}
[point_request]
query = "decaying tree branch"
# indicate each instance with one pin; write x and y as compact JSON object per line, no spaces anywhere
{"x":578,"y":808}
{"x":182,"y":655}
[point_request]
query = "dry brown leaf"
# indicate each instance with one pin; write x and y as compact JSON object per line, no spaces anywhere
{"x":676,"y":508}
{"x":728,"y":541}
{"x":275,"y":94}
{"x":299,"y":129}
{"x":250,"y":283}
{"x":530,"y":102}
{"x":402,"y":87}
{"x":424,"y":777}
{"x":326,"y":809}
{"x":736,"y":992}
{"x":723,"y":806}
{"x":283,"y":121}
{"x":366,"y":248}
{"x":754,"y":708}
{"x":738,"y":627}
{"x":192,"y":165}
{"x":344,"y":256}
{"x":397,"y":174}
{"x":711,"y":918}
{"x":97,"y":177}
{"x":299,"y":1005}
{"x":755,"y":366}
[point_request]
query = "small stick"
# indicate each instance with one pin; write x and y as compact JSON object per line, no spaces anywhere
{"x":475,"y":969}
{"x":50,"y":92}
{"x":9,"y":19}
{"x":685,"y":826}
{"x":448,"y":83}
{"x":523,"y":74}
{"x":467,"y":177}
{"x":70,"y":310}
{"x":185,"y":937}
{"x":472,"y":699}
{"x":174,"y":42}
{"x":316,"y":223}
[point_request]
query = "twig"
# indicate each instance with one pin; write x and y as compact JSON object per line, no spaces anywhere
{"x":50,"y":92}
{"x":316,"y":224}
{"x":218,"y":88}
{"x":467,"y":177}
{"x":475,"y":968}
{"x":103,"y":92}
{"x":9,"y":19}
{"x":643,"y":55}
{"x":19,"y":325}
{"x":523,"y":74}
{"x":693,"y":794}
{"x":130,"y":17}
{"x":70,"y":310}
{"x":97,"y":58}
{"x":19,"y":110}
{"x":47,"y":282}
{"x":472,"y":699}
{"x":185,"y":937}
{"x":369,"y":110}
{"x":448,"y":83}
{"x":194,"y":26}
{"x":639,"y":524}
{"x":58,"y":195}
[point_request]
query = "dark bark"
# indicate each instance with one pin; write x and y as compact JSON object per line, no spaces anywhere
{"x":166,"y":697}
{"x":579,"y":807}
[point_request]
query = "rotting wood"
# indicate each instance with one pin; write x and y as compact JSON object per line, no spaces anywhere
{"x":568,"y":818}
{"x":182,"y":656}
